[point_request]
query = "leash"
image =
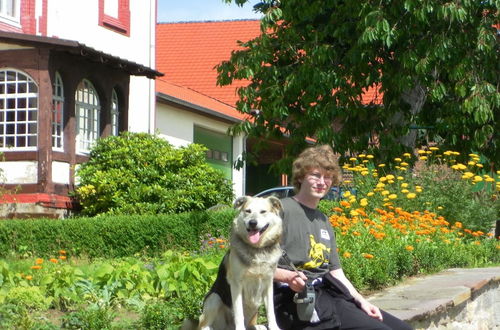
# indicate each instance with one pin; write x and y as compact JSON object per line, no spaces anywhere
{"x":305,"y":300}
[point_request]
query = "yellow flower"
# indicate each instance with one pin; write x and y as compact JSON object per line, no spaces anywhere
{"x":354,"y":213}
{"x":433,"y":148}
{"x":352,"y":159}
{"x":404,"y":164}
{"x":381,"y":165}
{"x":423,"y":158}
{"x":29,"y":277}
{"x":369,"y":156}
{"x":347,"y":255}
{"x":382,"y":179}
{"x":398,"y":160}
{"x":385,"y":192}
{"x":400,"y":178}
{"x":404,"y":185}
{"x":371,"y":193}
{"x":362,"y":156}
{"x":407,"y":155}
{"x":390,"y":177}
{"x":363,"y":202}
{"x":405,"y":191}
{"x":479,"y":165}
{"x":364,"y":173}
{"x":380,"y":185}
{"x":411,"y":195}
{"x":421,"y":152}
{"x":393,"y":196}
{"x":477,"y":178}
{"x":346,"y":194}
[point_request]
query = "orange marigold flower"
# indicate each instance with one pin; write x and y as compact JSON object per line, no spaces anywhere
{"x":409,"y":248}
{"x":36,"y":267}
{"x":62,"y":257}
{"x":368,"y":256}
{"x":62,"y":252}
{"x":345,"y":204}
{"x":338,"y":209}
{"x":39,"y":261}
{"x":29,"y":277}
{"x":347,"y":255}
{"x":222,"y":246}
{"x":54,"y":260}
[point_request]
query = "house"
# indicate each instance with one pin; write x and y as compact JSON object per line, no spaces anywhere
{"x":70,"y":73}
{"x":192,"y":108}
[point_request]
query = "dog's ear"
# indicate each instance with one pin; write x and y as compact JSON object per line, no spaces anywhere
{"x":238,"y":203}
{"x":276,"y":204}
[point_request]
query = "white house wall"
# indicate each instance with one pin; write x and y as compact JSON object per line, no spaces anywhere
{"x":60,"y":172}
{"x":177,"y":127}
{"x":19,"y":172}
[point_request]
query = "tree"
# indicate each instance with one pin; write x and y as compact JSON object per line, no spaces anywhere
{"x":434,"y":64}
{"x":139,"y":173}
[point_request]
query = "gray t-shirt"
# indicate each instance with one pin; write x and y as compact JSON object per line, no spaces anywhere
{"x":308,"y":239}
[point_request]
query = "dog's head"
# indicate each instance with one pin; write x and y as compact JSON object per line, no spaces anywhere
{"x":259,"y":220}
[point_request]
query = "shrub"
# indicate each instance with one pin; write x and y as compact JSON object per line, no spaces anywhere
{"x":93,"y":318}
{"x":160,"y":315}
{"x":30,"y":297}
{"x":139,"y":173}
{"x":112,"y":236}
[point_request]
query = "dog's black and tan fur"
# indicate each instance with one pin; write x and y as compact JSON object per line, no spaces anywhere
{"x":245,"y":277}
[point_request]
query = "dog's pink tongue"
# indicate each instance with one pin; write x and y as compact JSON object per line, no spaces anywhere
{"x":254,"y":236}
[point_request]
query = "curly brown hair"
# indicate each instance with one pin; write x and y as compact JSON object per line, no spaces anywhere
{"x":321,"y":157}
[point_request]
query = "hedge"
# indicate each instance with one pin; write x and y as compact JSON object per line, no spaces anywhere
{"x":112,"y":236}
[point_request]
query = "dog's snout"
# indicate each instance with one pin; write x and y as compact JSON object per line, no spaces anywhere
{"x":252,"y":223}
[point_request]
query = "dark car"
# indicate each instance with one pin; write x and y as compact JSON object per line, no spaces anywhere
{"x":287,"y":191}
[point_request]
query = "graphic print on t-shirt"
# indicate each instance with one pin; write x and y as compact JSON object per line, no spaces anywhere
{"x":318,"y":253}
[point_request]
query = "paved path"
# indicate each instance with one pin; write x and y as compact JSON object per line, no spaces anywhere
{"x":421,"y":298}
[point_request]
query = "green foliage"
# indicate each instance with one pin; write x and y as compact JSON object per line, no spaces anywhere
{"x":30,"y":297}
{"x":111,"y":236}
{"x":434,"y":66}
{"x":160,"y":315}
{"x":139,"y":173}
{"x":93,"y":318}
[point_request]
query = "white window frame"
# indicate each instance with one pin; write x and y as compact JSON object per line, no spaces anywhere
{"x":18,"y":111}
{"x":87,"y":112}
{"x":115,"y":113}
{"x":12,"y":18}
{"x":57,"y":113}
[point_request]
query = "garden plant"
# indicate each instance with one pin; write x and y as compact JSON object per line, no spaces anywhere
{"x":397,"y":220}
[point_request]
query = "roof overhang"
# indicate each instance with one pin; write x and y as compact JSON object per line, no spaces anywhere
{"x":194,"y":107}
{"x":12,"y":40}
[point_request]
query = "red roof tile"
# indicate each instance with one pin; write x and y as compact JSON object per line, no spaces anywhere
{"x":188,"y":52}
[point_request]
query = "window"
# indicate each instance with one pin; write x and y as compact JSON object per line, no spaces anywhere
{"x":18,"y":110}
{"x":57,"y":112}
{"x":87,"y":112}
{"x":9,"y":10}
{"x":115,"y":15}
{"x":114,"y":113}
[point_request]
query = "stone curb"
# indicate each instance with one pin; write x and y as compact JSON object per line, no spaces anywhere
{"x":421,"y":298}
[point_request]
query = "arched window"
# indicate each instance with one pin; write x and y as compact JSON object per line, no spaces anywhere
{"x":57,"y":112}
{"x":87,"y":112}
{"x":114,"y":113}
{"x":18,"y":110}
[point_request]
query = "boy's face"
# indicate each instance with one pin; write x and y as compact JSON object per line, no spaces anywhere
{"x":316,"y":183}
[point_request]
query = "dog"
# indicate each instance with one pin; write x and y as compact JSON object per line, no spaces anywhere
{"x":245,"y":277}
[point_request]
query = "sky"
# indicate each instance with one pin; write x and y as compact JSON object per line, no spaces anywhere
{"x":203,"y":10}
